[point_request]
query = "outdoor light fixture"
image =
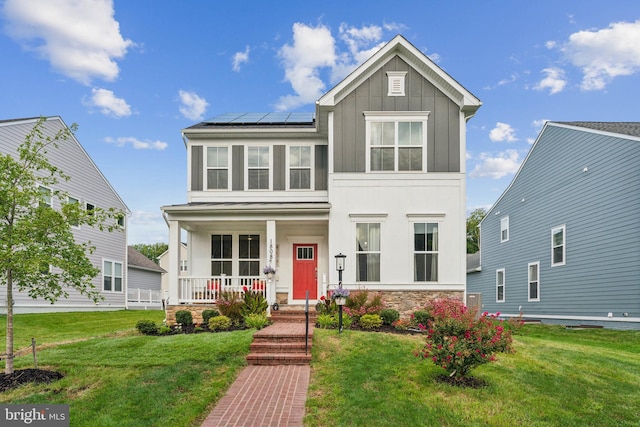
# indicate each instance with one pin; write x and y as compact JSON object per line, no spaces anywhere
{"x":340,"y":261}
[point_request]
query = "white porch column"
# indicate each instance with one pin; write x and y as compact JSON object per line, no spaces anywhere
{"x":271,"y":260}
{"x":174,"y":261}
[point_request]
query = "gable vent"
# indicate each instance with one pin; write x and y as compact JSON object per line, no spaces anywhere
{"x":396,"y":83}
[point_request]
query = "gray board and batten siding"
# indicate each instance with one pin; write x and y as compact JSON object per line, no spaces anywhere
{"x":279,"y":167}
{"x":88,"y":185}
{"x":588,"y":182}
{"x":443,"y":124}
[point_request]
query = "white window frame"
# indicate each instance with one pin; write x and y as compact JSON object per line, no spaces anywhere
{"x":75,"y":200}
{"x":113,"y":276}
{"x":501,"y":271}
{"x":369,"y":251}
{"x":397,"y":117}
{"x":435,"y":251}
{"x":554,"y":231}
{"x":269,"y":167}
{"x":310,"y":167}
{"x":183,"y":266}
{"x":205,"y":184}
{"x":504,"y":229}
{"x":530,"y":281}
{"x":44,"y":191}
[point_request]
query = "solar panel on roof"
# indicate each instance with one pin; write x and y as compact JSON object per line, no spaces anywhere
{"x":262,"y":118}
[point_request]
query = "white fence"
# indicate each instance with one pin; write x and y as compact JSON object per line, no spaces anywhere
{"x":207,"y":290}
{"x":144,"y":298}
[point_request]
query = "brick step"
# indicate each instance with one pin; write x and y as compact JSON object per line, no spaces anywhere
{"x":284,"y":338}
{"x":293,"y":316}
{"x":279,"y":347}
{"x":278,"y":358}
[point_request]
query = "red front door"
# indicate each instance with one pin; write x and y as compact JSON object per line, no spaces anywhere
{"x":305,"y":271}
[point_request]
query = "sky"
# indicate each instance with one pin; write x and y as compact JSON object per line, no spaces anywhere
{"x":133,"y":74}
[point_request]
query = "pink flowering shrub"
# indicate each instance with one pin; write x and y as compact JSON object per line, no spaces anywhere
{"x":359,"y":303}
{"x":457,"y":342}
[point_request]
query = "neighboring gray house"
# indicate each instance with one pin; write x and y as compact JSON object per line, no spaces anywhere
{"x":562,"y":243}
{"x":145,"y":281}
{"x":89,"y":187}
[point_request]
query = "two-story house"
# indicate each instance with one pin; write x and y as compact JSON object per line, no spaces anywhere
{"x":88,"y":186}
{"x":561,"y":243}
{"x":376,"y":173}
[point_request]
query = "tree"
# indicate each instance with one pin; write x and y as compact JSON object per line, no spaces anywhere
{"x":473,"y":230}
{"x":38,"y":251}
{"x":151,"y":251}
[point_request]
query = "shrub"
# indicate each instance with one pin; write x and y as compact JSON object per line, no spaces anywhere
{"x":327,"y":321}
{"x":230,"y":306}
{"x":457,"y":342}
{"x":389,"y":315}
{"x":257,"y":321}
{"x":402,"y":324}
{"x":370,"y":321}
{"x":184,"y":317}
{"x":421,"y":317}
{"x":208,"y":314}
{"x":147,"y":327}
{"x":220,"y":323}
{"x":359,"y":304}
{"x":164,"y":330}
{"x":326,"y":306}
{"x":254,"y":302}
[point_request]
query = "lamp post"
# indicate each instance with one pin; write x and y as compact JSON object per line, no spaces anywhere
{"x":340,"y":258}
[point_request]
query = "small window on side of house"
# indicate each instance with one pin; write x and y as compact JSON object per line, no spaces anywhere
{"x":504,"y":229}
{"x":534,"y":281}
{"x":500,"y":285}
{"x":558,"y":246}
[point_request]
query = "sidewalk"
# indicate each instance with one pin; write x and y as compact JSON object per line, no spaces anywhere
{"x":263,"y":396}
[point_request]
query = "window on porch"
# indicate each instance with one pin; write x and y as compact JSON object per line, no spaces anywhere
{"x":249,"y":254}
{"x":221,"y":254}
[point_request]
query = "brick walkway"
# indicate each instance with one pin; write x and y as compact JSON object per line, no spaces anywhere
{"x":263,"y":396}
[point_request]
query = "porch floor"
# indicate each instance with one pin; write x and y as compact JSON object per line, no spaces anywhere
{"x":272,"y":390}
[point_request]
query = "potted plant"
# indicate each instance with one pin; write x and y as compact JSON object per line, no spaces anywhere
{"x":339,"y":295}
{"x":269,"y":271}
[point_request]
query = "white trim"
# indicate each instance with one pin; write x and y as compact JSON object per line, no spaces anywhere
{"x":563,"y":317}
{"x":529,"y":281}
{"x":504,"y":226}
{"x":76,"y":227}
{"x":246,"y":167}
{"x":562,"y":227}
{"x":205,"y":167}
{"x":312,"y":180}
{"x":504,"y":284}
{"x":396,"y":83}
{"x":122,"y":277}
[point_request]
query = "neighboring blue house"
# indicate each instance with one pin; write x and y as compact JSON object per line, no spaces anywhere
{"x":562,"y":243}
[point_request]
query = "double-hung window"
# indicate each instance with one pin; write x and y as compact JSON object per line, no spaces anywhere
{"x":500,"y":284}
{"x":558,"y":246}
{"x":112,"y":276}
{"x":217,"y":168}
{"x":249,"y":254}
{"x":534,"y":281}
{"x":425,"y":252}
{"x":368,"y":252}
{"x":504,"y":229}
{"x":396,"y":143}
{"x":258,"y":168}
{"x":221,"y":255}
{"x":300,"y":168}
{"x":72,"y":200}
{"x":45,"y":196}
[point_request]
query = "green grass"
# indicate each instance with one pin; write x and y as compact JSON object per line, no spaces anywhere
{"x":557,"y":377}
{"x":116,"y":377}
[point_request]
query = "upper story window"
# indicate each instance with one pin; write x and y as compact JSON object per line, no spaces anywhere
{"x":504,"y":229}
{"x":258,"y":174}
{"x":45,"y":196}
{"x":300,"y":168}
{"x":396,"y":143}
{"x":73,"y":200}
{"x":558,"y":246}
{"x":217,"y":168}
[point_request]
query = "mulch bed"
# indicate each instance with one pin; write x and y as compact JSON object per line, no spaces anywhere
{"x":24,"y":376}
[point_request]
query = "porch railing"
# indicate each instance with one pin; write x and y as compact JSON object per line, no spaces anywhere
{"x":138,"y":295}
{"x":207,"y":290}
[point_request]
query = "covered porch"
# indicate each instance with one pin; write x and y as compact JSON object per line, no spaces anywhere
{"x":231,"y":247}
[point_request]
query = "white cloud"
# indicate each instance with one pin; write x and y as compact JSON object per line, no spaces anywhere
{"x":193,"y":106}
{"x":137,"y":143}
{"x":146,"y":227}
{"x":498,"y":166}
{"x":554,"y":81}
{"x":240,"y":58}
{"x":108,"y":103}
{"x":502,"y":132}
{"x":605,"y":54}
{"x":314,"y":50}
{"x":80,"y":38}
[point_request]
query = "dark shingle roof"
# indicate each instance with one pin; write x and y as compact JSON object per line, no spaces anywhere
{"x":137,"y":260}
{"x":623,"y":128}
